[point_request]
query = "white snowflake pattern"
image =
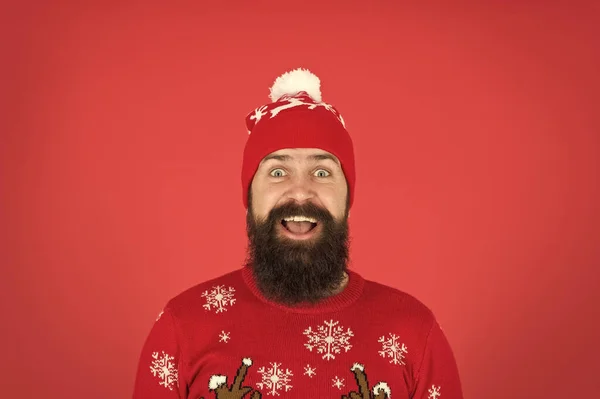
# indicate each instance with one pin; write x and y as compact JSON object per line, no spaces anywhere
{"x":342,"y":121}
{"x":218,"y":298}
{"x":224,"y":336}
{"x":293,"y":102}
{"x":434,"y":392}
{"x":309,"y":371}
{"x":275,"y":379}
{"x":163,"y":368}
{"x":259,"y":113}
{"x":391,"y":348}
{"x":337,"y":382}
{"x":328,"y":339}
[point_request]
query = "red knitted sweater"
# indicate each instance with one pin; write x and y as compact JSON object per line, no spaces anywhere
{"x":222,"y":339}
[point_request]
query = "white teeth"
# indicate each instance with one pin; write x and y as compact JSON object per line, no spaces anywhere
{"x":300,"y":219}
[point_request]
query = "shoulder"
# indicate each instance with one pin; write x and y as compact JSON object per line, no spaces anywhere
{"x":196,"y":298}
{"x":395,"y":302}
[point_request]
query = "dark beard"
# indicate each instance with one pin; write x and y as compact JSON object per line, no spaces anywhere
{"x":291,"y":272}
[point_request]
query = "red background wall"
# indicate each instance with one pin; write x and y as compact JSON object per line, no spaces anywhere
{"x":476,"y":131}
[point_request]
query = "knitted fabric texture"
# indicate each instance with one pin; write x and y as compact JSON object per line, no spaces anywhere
{"x":222,"y":339}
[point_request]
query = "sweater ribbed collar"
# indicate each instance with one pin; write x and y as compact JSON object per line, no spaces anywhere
{"x":339,"y":301}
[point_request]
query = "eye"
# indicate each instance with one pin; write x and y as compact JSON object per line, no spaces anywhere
{"x":322,"y":173}
{"x":277,"y":173}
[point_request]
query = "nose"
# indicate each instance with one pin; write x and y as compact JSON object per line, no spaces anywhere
{"x":301,"y":189}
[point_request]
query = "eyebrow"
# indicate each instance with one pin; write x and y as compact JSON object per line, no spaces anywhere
{"x":315,"y":157}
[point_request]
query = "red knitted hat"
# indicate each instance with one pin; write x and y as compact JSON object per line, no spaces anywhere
{"x":296,"y":118}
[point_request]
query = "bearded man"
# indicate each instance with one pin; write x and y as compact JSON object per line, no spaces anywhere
{"x":295,"y":321}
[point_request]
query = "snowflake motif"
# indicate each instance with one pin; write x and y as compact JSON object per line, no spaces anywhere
{"x":309,"y":371}
{"x":331,"y":109}
{"x":274,"y":379}
{"x":328,"y":339}
{"x":224,"y":336}
{"x":392,"y":349}
{"x":293,"y":102}
{"x":259,"y":113}
{"x":218,"y":298}
{"x":434,"y":392}
{"x":163,"y":368}
{"x":328,"y":107}
{"x":337,"y":382}
{"x":342,"y":121}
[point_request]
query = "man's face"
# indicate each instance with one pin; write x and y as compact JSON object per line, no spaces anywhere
{"x":297,"y":225}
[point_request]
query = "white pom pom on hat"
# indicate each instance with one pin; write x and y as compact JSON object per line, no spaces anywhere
{"x":294,"y":82}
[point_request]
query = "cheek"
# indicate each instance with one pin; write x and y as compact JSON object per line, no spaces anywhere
{"x":263,"y":204}
{"x":335,"y":202}
{"x":341,"y":201}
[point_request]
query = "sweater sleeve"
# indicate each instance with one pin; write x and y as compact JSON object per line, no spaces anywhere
{"x":158,"y":367}
{"x":438,"y":376}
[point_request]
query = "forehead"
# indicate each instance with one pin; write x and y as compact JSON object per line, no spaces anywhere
{"x":300,"y":154}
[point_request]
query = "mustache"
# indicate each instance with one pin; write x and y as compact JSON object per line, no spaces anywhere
{"x":293,"y":209}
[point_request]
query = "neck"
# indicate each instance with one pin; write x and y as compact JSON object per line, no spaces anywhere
{"x":342,"y":285}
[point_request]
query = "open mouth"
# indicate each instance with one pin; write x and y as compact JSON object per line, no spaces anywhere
{"x":299,"y":225}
